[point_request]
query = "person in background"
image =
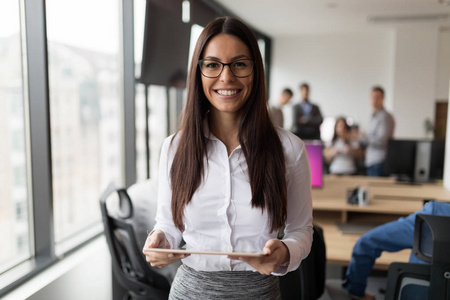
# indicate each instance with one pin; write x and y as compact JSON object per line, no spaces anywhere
{"x":276,"y":111}
{"x":306,"y":117}
{"x":393,"y":236}
{"x":343,"y":152}
{"x":359,"y":159}
{"x":380,"y":130}
{"x":229,"y":180}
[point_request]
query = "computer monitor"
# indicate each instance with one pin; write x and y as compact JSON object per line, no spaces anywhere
{"x":400,"y":159}
{"x":437,"y":159}
{"x":314,"y":150}
{"x":415,"y":160}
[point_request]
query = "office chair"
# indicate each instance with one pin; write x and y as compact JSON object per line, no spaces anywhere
{"x":420,"y":281}
{"x":130,"y":269}
{"x":308,"y":281}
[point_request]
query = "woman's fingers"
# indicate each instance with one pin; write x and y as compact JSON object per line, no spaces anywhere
{"x":270,"y":246}
{"x":157,"y":239}
{"x":275,"y":252}
{"x":264,"y":265}
{"x":167,"y":260}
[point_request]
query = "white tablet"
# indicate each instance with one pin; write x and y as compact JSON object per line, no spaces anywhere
{"x":181,"y":251}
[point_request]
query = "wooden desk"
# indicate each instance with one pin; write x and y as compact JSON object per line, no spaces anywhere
{"x":388,"y":202}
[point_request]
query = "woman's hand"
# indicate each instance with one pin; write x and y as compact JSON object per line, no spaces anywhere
{"x":329,"y":153}
{"x":346,"y":149}
{"x":276,"y":253}
{"x":157,"y":239}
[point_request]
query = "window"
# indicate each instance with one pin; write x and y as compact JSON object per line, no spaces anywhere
{"x":157,"y":119}
{"x":262,"y":49}
{"x":14,"y":220}
{"x":141,"y":139}
{"x":21,"y":212}
{"x":164,"y":104}
{"x":85,"y":105}
{"x":156,"y":98}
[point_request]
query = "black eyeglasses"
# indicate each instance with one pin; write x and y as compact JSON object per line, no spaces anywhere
{"x":213,"y":68}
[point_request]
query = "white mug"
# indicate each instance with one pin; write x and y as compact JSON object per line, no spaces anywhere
{"x":363,"y":197}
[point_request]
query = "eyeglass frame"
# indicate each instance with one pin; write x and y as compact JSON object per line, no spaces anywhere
{"x":223,"y":67}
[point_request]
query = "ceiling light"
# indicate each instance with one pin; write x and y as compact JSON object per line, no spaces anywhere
{"x":408,"y":18}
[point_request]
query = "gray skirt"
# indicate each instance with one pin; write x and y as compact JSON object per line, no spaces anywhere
{"x":190,"y":284}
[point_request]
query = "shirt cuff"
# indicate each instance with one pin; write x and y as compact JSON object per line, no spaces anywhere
{"x":295,"y":257}
{"x":169,"y":237}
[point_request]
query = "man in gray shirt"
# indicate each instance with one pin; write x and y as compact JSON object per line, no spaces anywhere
{"x":380,"y":130}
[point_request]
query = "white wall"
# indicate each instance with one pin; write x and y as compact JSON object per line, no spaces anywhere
{"x":415,"y":73}
{"x":443,"y":66}
{"x":447,"y":151}
{"x":412,"y":64}
{"x":340,"y":68}
{"x":447,"y":155}
{"x":443,"y":92}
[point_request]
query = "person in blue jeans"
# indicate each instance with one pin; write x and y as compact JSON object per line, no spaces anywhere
{"x":392,"y":236}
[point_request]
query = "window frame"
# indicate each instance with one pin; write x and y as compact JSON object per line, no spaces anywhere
{"x":38,"y":137}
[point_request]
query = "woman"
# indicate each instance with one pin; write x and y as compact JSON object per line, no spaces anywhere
{"x":228,"y":180}
{"x":344,"y":151}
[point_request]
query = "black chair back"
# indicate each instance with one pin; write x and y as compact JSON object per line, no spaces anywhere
{"x":128,"y":262}
{"x":419,"y":281}
{"x":308,"y":281}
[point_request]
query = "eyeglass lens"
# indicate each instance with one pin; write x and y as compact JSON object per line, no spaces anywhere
{"x":213,"y":68}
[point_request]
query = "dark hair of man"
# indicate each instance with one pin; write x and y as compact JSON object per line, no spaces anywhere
{"x":288,"y":91}
{"x":378,"y":89}
{"x":347,"y":128}
{"x":304,"y":85}
{"x":257,"y":136}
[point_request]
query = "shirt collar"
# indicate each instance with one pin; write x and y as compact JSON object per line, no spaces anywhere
{"x":380,"y":111}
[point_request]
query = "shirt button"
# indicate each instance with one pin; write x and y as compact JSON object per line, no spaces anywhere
{"x":227,"y":173}
{"x":226,"y":200}
{"x":229,"y":249}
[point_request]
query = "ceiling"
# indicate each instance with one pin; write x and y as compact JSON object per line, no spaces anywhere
{"x":296,"y":17}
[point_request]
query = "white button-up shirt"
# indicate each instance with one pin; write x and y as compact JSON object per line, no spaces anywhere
{"x":220,"y":216}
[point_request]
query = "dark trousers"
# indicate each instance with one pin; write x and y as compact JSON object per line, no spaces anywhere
{"x":376,"y":170}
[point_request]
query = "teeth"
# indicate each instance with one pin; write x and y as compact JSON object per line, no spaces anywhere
{"x":227,"y":92}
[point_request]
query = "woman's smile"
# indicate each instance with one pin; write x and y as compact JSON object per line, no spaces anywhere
{"x":228,"y":92}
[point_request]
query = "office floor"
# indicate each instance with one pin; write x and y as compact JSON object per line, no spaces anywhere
{"x":334,"y":291}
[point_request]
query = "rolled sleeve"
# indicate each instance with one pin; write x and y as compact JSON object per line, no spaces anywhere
{"x":299,"y":227}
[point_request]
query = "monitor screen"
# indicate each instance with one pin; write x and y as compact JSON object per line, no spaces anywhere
{"x":437,"y":159}
{"x":400,"y":159}
{"x":405,"y":156}
{"x":314,"y":149}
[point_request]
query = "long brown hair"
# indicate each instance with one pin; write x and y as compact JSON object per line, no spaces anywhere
{"x":347,"y":128}
{"x":257,"y":136}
